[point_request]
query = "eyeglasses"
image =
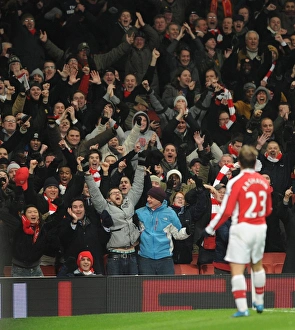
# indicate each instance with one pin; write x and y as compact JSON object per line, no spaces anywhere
{"x":116,"y":193}
{"x":179,"y":197}
{"x":10,"y":120}
{"x":29,"y":20}
{"x":49,"y":67}
{"x":211,"y":17}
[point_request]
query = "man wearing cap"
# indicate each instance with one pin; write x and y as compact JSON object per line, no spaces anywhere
{"x":158,"y":224}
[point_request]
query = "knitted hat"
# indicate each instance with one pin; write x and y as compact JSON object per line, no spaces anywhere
{"x":174,"y":172}
{"x":207,"y":37}
{"x":238,"y":18}
{"x":4,"y":160}
{"x":21,"y":177}
{"x":12,"y":166}
{"x":13,"y":59}
{"x":180,"y":97}
{"x":26,"y":16}
{"x":38,"y":72}
{"x":194,"y":161}
{"x":84,"y":254}
{"x":35,"y":84}
{"x":110,"y":69}
{"x":157,"y":193}
{"x":248,"y":86}
{"x":273,"y":49}
{"x":155,"y":178}
{"x":35,"y":136}
{"x":50,"y":182}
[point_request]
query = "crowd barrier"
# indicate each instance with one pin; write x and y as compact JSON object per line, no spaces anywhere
{"x":51,"y":296}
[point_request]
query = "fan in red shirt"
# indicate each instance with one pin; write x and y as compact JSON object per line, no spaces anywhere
{"x":248,"y":201}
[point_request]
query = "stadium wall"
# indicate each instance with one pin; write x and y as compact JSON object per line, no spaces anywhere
{"x":31,"y":297}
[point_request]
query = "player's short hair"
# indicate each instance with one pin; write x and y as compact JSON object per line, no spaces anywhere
{"x":247,"y":156}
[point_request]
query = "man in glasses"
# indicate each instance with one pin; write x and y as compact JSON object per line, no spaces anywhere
{"x":124,"y":233}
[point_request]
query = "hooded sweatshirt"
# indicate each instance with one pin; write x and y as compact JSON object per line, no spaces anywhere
{"x":146,"y":134}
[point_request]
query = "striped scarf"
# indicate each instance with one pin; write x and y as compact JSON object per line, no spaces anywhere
{"x":51,"y":207}
{"x":227,"y":7}
{"x":228,"y":97}
{"x":270,"y":71}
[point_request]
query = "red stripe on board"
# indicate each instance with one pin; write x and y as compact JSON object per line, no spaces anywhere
{"x":64,"y":298}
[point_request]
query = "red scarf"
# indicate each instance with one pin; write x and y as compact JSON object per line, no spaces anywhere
{"x":31,"y":229}
{"x":231,"y":108}
{"x":51,"y":207}
{"x":232,"y":151}
{"x":273,"y":160}
{"x":33,"y":31}
{"x":95,"y":174}
{"x":270,"y":71}
{"x":227,"y":7}
{"x":126,"y":93}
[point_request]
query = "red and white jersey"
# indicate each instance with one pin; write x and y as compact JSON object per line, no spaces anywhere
{"x":247,"y":199}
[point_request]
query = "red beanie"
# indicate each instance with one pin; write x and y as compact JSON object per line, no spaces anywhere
{"x":83,"y":254}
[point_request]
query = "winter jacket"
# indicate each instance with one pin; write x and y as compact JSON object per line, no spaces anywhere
{"x":157,"y":229}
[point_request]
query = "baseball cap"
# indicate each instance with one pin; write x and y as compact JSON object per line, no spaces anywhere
{"x":83,"y":45}
{"x":219,"y":186}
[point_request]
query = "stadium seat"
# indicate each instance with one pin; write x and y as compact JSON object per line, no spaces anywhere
{"x":47,"y":271}
{"x":278,"y":267}
{"x":206,"y":269}
{"x":186,"y":269}
{"x":7,"y":271}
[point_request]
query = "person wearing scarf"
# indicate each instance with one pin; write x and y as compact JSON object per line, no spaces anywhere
{"x":30,"y":240}
{"x":226,"y":8}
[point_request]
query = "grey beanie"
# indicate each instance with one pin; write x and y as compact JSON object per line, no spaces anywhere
{"x":38,"y":72}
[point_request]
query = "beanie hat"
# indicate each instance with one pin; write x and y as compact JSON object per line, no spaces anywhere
{"x":248,"y":86}
{"x":50,"y":182}
{"x":110,"y":69}
{"x":174,"y":172}
{"x":83,"y":254}
{"x":194,"y":161}
{"x":157,"y":193}
{"x":180,"y":97}
{"x":12,"y":165}
{"x":21,"y":177}
{"x":35,"y":84}
{"x":38,"y":72}
{"x":155,"y":178}
{"x":273,"y":49}
{"x":26,"y":16}
{"x":238,"y":18}
{"x":13,"y":59}
{"x":207,"y":37}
